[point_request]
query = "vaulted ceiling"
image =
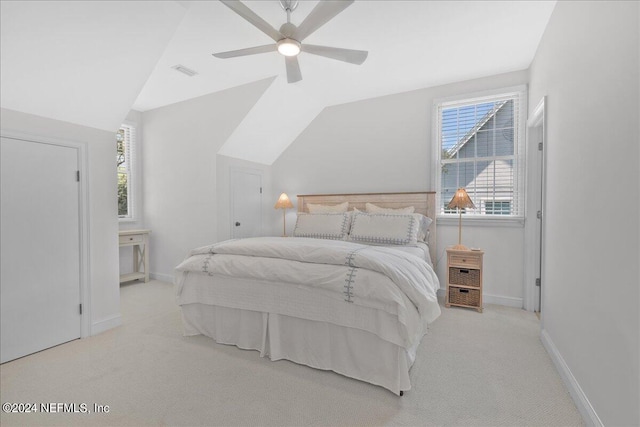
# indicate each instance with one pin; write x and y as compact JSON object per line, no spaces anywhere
{"x":83,"y":62}
{"x":86,"y":62}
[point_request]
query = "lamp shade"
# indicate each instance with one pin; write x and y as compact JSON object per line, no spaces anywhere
{"x":460,"y":200}
{"x":283,"y":202}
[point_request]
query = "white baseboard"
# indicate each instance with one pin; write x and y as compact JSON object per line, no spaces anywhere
{"x":106,"y":324}
{"x":501,"y":300}
{"x":494,"y":299}
{"x":162,"y":277}
{"x":579,"y":398}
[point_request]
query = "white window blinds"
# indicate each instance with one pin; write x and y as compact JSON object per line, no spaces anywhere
{"x":481,"y":148}
{"x":125,"y":139}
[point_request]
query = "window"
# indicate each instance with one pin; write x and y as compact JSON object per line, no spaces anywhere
{"x":125,"y":149}
{"x":480,"y":147}
{"x":497,"y":207}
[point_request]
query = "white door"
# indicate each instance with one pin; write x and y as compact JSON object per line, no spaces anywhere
{"x":540,"y":216}
{"x":536,"y":136}
{"x":246,"y":204}
{"x":40,"y":247}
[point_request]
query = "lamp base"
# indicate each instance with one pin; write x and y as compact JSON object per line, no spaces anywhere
{"x":460,"y":248}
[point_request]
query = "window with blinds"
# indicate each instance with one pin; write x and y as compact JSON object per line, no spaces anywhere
{"x":480,"y":144}
{"x":125,"y":149}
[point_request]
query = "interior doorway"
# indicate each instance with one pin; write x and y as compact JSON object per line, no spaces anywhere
{"x":246,"y":203}
{"x":534,"y":288}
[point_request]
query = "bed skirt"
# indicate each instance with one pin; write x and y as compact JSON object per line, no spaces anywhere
{"x":348,"y":351}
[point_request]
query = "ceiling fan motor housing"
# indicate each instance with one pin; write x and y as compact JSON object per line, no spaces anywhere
{"x":288,"y":29}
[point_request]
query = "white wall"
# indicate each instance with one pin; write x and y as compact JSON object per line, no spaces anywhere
{"x":103,"y":215}
{"x":587,"y":66}
{"x":384,"y":145}
{"x":180,"y":171}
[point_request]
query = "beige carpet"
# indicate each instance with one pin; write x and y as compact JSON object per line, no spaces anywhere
{"x":472,"y":369}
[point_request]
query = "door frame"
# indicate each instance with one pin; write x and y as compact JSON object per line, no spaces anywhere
{"x":534,"y":236}
{"x":232,"y":171}
{"x":82,"y":150}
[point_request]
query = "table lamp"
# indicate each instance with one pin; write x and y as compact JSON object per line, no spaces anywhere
{"x":461,"y":201}
{"x":284,"y":203}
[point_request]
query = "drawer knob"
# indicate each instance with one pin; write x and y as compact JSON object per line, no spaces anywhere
{"x":464,"y":260}
{"x":130,"y":238}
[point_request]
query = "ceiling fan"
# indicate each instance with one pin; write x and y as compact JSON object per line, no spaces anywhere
{"x":288,"y":40}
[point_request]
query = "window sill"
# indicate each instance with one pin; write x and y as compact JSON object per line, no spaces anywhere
{"x":126,"y":219}
{"x":478,"y":221}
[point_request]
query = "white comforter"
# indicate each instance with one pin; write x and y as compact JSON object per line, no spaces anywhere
{"x":370,"y":276}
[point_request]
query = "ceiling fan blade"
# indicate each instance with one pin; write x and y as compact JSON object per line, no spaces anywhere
{"x":248,"y":51}
{"x":346,"y":55}
{"x":293,"y":69}
{"x":242,"y":10}
{"x":320,"y":15}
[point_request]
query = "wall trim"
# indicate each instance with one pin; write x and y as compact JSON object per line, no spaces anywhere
{"x":502,"y":300}
{"x":106,"y":324}
{"x":161,"y":277}
{"x":577,"y":394}
{"x":480,"y":221}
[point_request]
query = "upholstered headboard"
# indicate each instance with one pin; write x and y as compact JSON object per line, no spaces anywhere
{"x":423,"y":202}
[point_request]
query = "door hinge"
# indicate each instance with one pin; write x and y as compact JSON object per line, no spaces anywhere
{"x":80,"y":308}
{"x":540,"y":145}
{"x":539,"y":214}
{"x":538,"y":282}
{"x":260,"y":190}
{"x":78,"y":176}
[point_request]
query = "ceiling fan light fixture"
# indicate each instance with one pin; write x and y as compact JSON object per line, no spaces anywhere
{"x":288,"y":47}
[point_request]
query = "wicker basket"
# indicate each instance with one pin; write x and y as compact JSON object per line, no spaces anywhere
{"x":464,"y":277}
{"x":463,"y":296}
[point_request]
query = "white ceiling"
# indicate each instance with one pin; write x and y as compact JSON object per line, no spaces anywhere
{"x":87,"y":61}
{"x":83,"y":62}
{"x":411,"y":44}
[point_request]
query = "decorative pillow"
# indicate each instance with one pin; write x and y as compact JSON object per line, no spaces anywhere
{"x":323,"y":225}
{"x":423,"y":231}
{"x":384,"y":228}
{"x":371,"y":208}
{"x":314,"y":208}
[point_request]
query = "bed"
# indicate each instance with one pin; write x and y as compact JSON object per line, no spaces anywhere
{"x":356,"y":302}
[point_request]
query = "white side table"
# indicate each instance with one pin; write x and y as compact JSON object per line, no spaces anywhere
{"x":139,"y":239}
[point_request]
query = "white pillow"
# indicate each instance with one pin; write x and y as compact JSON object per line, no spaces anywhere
{"x":371,"y":208}
{"x":315,"y":208}
{"x":384,"y":228}
{"x":423,"y":231}
{"x":323,"y":225}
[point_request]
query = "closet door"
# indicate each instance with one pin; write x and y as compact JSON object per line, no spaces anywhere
{"x":246,"y":203}
{"x":40,"y":249}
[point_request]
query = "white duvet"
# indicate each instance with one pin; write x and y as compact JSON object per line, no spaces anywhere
{"x":350,"y":274}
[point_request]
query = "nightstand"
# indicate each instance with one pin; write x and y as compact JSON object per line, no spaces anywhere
{"x":464,"y":279}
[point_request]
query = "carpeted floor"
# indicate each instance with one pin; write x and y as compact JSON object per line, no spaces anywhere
{"x":472,"y":369}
